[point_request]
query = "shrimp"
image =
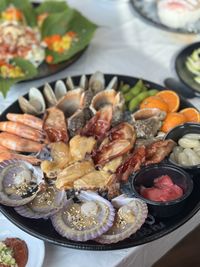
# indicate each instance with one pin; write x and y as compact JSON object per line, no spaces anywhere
{"x":6,"y":155}
{"x":20,"y":144}
{"x":26,"y":119}
{"x":21,"y":130}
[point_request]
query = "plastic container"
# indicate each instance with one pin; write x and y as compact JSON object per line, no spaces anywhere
{"x":146,"y":178}
{"x":175,"y":134}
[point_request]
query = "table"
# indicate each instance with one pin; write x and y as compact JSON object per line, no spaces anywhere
{"x":123,"y":44}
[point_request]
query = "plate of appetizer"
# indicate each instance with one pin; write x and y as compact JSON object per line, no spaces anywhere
{"x":171,"y":15}
{"x":187,"y":66}
{"x":38,"y":40}
{"x":72,"y":150}
{"x":17,"y":248}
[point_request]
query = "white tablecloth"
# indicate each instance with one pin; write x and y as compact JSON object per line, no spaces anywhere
{"x":123,"y":44}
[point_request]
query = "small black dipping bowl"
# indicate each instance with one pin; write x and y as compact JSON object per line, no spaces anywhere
{"x":146,"y":178}
{"x":178,"y":132}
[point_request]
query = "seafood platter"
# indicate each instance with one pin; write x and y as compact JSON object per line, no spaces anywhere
{"x":181,"y":16}
{"x":69,"y":153}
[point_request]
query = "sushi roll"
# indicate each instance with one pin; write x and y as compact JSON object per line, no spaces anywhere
{"x":178,"y":13}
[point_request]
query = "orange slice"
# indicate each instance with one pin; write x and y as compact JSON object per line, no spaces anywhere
{"x":172,"y":120}
{"x":191,"y":114}
{"x":171,"y":98}
{"x":154,"y":102}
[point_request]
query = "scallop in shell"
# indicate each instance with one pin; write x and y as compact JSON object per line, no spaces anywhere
{"x":130,"y":216}
{"x":46,"y":203}
{"x":52,"y":97}
{"x":19,"y":182}
{"x":86,"y":220}
{"x":35,"y":105}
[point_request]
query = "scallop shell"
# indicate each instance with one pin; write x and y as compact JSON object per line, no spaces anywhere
{"x":35,"y":105}
{"x":19,"y":182}
{"x":71,"y":102}
{"x":86,"y":220}
{"x":107,"y":97}
{"x":45,"y":204}
{"x":130,"y":216}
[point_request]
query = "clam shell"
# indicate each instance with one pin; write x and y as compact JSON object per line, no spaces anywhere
{"x":83,"y":82}
{"x":95,"y":214}
{"x":129,"y":218}
{"x":97,"y":82}
{"x":113,"y":83}
{"x":35,"y":105}
{"x":19,"y":182}
{"x":45,"y":204}
{"x":70,"y":83}
{"x":60,"y":89}
{"x":71,"y":102}
{"x":49,"y":95}
{"x":107,"y":97}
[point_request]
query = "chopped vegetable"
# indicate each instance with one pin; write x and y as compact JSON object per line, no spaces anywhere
{"x":12,"y":13}
{"x":59,"y":43}
{"x":6,"y":256}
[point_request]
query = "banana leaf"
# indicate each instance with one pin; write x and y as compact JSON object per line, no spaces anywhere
{"x":26,"y":66}
{"x":69,"y":20}
{"x":25,"y":6}
{"x":51,"y":7}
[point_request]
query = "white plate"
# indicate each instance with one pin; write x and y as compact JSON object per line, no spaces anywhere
{"x":36,"y":247}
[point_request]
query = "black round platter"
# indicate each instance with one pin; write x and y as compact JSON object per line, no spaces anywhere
{"x":153,"y":228}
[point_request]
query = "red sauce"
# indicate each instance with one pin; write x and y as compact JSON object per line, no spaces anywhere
{"x":20,"y":251}
{"x":163,"y":190}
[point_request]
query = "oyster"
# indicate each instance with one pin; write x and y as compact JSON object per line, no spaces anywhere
{"x":19,"y":182}
{"x":55,"y":126}
{"x":67,"y":177}
{"x":147,"y":113}
{"x":86,"y":220}
{"x":46,"y":203}
{"x":148,"y":122}
{"x":129,"y":218}
{"x":35,"y":105}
